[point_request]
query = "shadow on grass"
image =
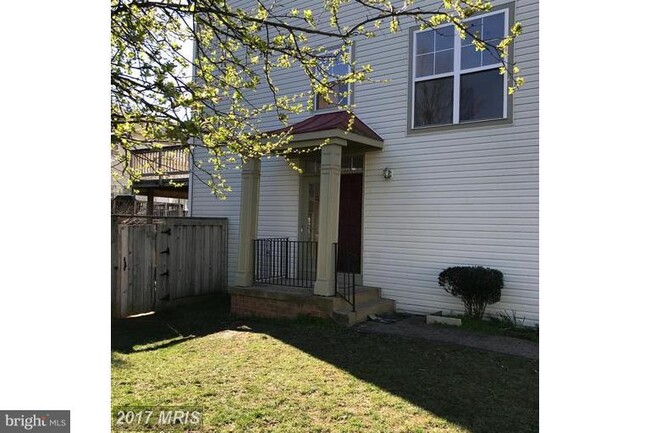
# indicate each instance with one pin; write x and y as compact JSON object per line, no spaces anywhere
{"x":480,"y":391}
{"x":171,"y":327}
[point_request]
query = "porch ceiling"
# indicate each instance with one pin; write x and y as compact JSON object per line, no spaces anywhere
{"x":334,"y":127}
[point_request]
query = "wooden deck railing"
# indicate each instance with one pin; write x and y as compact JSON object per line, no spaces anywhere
{"x":167,"y":162}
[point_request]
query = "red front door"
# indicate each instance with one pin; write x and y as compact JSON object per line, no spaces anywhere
{"x":350,"y":206}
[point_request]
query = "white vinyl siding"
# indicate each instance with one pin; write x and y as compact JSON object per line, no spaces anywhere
{"x":278,"y":212}
{"x":457,"y":197}
{"x":466,"y":196}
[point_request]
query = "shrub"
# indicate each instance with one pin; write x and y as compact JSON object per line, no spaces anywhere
{"x":475,"y":285}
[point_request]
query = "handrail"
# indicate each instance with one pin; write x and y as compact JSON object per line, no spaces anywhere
{"x":344,"y":281}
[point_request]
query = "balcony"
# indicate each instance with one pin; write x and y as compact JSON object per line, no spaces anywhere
{"x":162,"y":170}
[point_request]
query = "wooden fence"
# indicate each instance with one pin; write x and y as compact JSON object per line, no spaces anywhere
{"x":157,"y":261}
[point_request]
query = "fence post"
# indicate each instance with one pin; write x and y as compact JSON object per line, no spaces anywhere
{"x":256,"y":259}
{"x":336,"y":268}
{"x":286,"y":258}
{"x":116,"y":261}
{"x":124,"y":264}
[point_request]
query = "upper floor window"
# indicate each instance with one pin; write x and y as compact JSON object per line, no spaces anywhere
{"x":454,"y":83}
{"x":339,"y":91}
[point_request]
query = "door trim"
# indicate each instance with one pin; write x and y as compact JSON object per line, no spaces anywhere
{"x":303,"y":198}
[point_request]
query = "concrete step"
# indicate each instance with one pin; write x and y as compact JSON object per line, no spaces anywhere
{"x":362,"y":295}
{"x":345,"y":316}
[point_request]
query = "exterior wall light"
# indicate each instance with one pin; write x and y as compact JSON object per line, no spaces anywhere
{"x":388,"y":173}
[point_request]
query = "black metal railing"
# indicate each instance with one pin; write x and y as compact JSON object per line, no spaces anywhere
{"x":345,"y":265}
{"x":283,"y":262}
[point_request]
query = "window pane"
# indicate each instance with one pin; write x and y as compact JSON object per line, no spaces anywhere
{"x":424,"y":42}
{"x":357,"y":162}
{"x":434,"y":102}
{"x":321,"y":103}
{"x":424,"y":65}
{"x":339,"y":69}
{"x":444,"y":38}
{"x":444,"y":61}
{"x":493,"y":27}
{"x":481,"y":95}
{"x":336,"y":69}
{"x":473,"y":27}
{"x":336,"y":94}
{"x":469,"y":57}
{"x":340,"y":92}
{"x":491,"y":55}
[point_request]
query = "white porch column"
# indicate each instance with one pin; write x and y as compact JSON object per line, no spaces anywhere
{"x":328,"y":224}
{"x":248,"y":212}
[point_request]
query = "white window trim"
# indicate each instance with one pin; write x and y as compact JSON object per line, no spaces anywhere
{"x":335,"y":107}
{"x":456,"y":73}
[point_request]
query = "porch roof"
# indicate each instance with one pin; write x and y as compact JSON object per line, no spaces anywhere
{"x":332,"y":126}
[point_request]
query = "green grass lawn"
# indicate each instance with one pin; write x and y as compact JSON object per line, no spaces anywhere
{"x":254,"y":375}
{"x":494,"y":326}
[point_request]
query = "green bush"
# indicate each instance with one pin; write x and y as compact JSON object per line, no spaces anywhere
{"x":475,"y":285}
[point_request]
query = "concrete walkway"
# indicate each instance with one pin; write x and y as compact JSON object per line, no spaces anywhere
{"x":415,"y":327}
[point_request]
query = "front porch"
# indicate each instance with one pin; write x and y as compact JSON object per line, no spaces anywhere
{"x":287,"y":302}
{"x":315,"y":263}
